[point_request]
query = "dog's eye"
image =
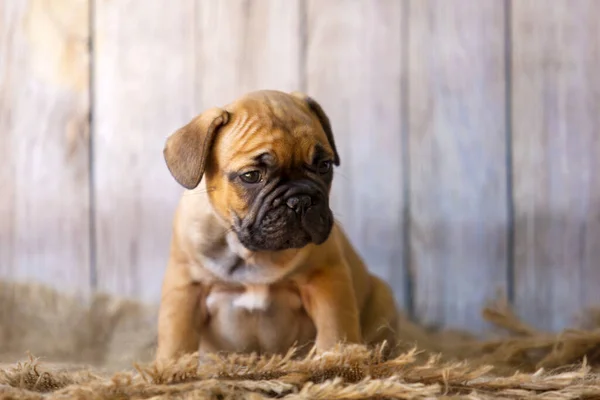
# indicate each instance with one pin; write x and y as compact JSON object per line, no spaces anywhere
{"x":250,"y":177}
{"x":324,"y":167}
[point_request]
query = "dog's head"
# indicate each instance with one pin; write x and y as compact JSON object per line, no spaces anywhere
{"x":267,"y":160}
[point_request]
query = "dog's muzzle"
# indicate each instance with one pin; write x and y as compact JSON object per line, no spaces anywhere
{"x":287,"y":216}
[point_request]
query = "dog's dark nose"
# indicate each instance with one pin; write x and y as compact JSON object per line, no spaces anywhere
{"x":299,"y":203}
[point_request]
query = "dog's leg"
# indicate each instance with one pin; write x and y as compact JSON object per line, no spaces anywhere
{"x":329,"y":300}
{"x":379,"y":317}
{"x":180,"y":315}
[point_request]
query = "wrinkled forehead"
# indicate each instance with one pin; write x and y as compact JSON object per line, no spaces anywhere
{"x":282,"y":128}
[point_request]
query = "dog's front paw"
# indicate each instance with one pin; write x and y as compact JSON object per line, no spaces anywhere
{"x":341,"y":351}
{"x":330,"y":352}
{"x":326,"y":354}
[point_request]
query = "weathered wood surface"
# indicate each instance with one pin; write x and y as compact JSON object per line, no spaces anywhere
{"x":144,"y":89}
{"x":44,"y":176}
{"x":457,"y":135}
{"x":556,"y":146}
{"x":438,"y":106}
{"x":246,"y":45}
{"x":354,"y":69}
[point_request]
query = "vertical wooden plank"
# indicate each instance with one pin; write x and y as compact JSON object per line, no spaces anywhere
{"x":245,"y":46}
{"x":457,"y":135}
{"x":556,"y":147}
{"x":44,"y":179}
{"x":144,"y":83}
{"x":354,"y":69}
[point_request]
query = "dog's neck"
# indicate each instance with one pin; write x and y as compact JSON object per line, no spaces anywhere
{"x":222,"y":254}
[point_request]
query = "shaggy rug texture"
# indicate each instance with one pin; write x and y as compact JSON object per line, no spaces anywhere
{"x":97,"y":347}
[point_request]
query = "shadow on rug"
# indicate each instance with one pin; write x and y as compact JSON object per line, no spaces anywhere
{"x":101,"y":347}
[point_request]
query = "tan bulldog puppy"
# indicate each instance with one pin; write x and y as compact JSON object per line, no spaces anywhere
{"x":257,"y":261}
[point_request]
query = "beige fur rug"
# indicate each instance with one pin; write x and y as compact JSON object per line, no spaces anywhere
{"x":100,"y":347}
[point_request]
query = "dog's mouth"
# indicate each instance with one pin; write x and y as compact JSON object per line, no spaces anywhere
{"x":291,"y":218}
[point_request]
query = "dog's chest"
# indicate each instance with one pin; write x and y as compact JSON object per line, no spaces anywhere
{"x":261,"y":318}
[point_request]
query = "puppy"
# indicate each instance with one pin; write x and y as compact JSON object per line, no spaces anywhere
{"x":257,"y":261}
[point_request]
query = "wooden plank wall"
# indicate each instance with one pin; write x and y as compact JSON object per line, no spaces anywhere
{"x":44,"y":143}
{"x":556,"y":151}
{"x":457,"y":135}
{"x":142,"y":89}
{"x":469,"y":135}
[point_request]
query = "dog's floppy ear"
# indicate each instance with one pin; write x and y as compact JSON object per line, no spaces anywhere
{"x":323,"y":118}
{"x":186,"y":150}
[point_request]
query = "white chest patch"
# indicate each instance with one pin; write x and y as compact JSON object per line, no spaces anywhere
{"x":255,"y":298}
